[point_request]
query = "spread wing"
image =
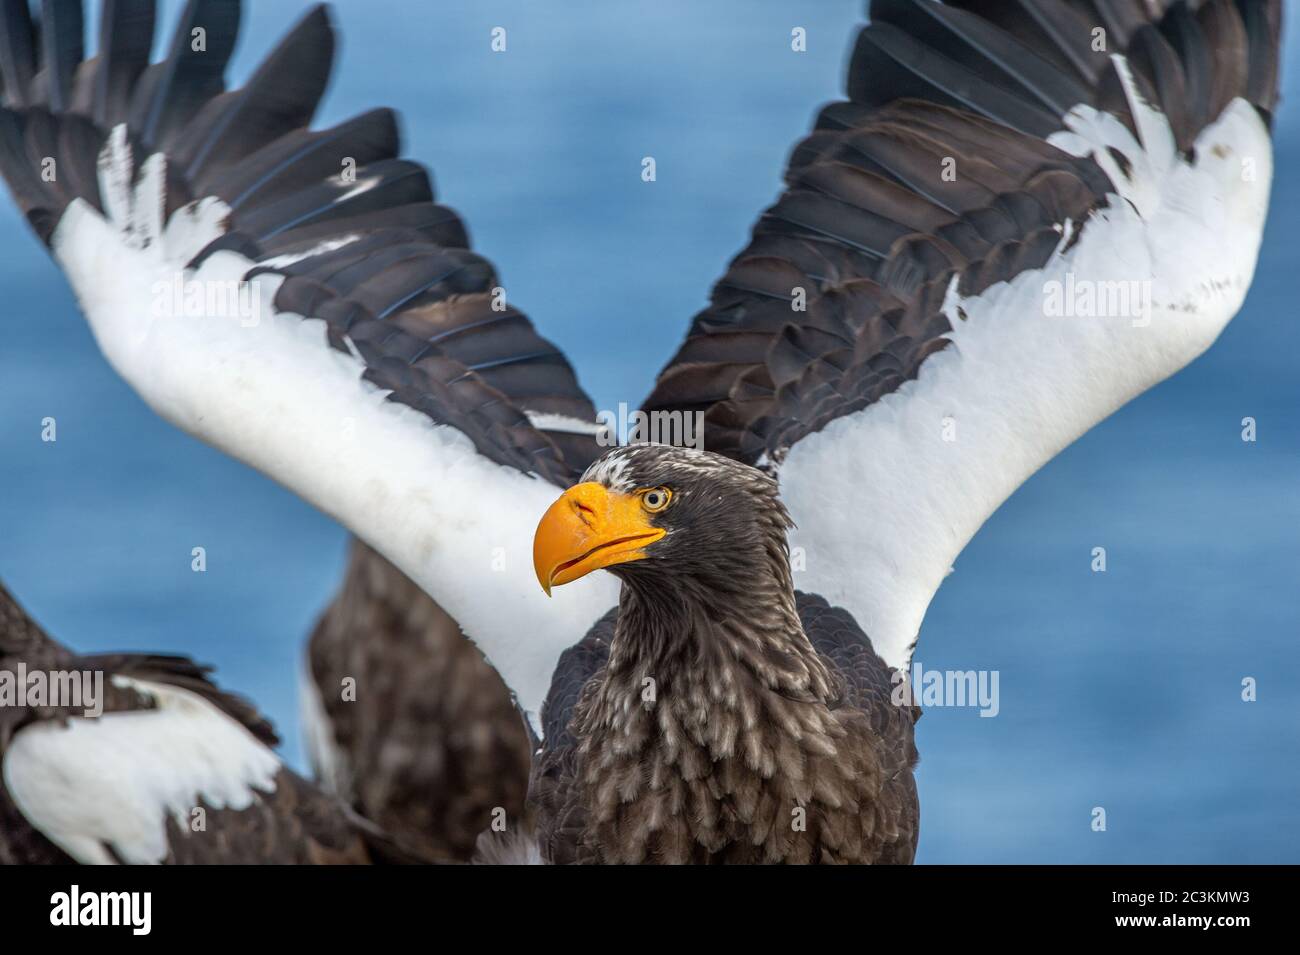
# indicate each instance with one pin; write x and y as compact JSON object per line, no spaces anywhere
{"x":871,"y":687}
{"x":299,"y":299}
{"x":144,"y":759}
{"x":431,"y":743}
{"x":1026,"y":213}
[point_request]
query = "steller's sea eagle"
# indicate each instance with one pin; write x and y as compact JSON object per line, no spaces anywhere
{"x":140,"y":758}
{"x":715,"y":715}
{"x":993,"y":158}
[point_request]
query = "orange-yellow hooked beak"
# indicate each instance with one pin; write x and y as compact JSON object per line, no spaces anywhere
{"x":590,"y":527}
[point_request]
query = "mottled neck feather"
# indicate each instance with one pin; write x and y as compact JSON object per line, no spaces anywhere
{"x":715,"y":719}
{"x":736,"y":626}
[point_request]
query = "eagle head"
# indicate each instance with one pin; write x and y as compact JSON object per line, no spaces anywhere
{"x":652,"y":514}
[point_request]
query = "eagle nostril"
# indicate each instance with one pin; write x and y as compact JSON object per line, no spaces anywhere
{"x":584,"y":512}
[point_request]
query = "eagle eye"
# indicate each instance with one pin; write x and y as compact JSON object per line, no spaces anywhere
{"x":656,"y":499}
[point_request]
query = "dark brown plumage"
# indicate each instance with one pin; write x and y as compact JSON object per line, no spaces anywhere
{"x":291,"y":823}
{"x":874,"y":235}
{"x":716,"y":715}
{"x":433,"y":743}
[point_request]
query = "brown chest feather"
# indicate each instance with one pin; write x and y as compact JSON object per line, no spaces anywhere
{"x":717,"y":771}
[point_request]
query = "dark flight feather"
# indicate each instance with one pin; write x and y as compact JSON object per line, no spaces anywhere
{"x":280,"y":167}
{"x":62,"y":50}
{"x":126,"y":34}
{"x":17,"y":52}
{"x":1052,"y":28}
{"x":887,"y":59}
{"x":281,"y":95}
{"x":387,"y":183}
{"x":1263,"y":25}
{"x":170,"y":93}
{"x":1183,"y":32}
{"x":1229,"y":70}
{"x":936,"y":167}
{"x":981,"y":46}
